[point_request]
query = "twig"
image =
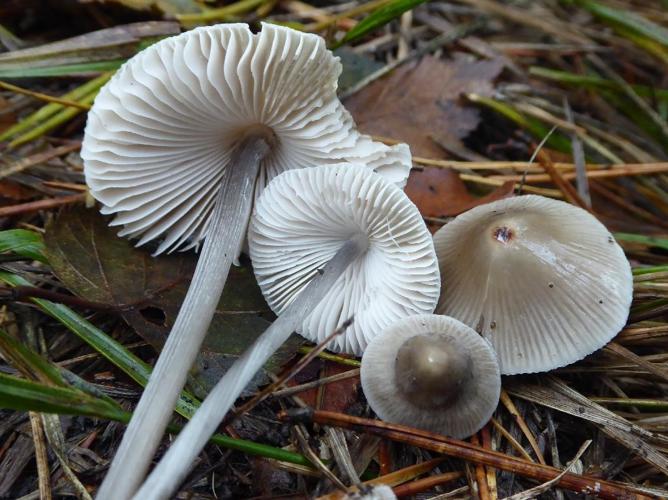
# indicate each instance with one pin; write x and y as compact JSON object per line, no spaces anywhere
{"x":578,"y":158}
{"x":44,"y":97}
{"x":263,"y":394}
{"x":466,"y":451}
{"x":34,"y":206}
{"x":542,"y":488}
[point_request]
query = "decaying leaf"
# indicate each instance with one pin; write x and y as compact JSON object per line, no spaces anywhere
{"x":420,"y":104}
{"x":94,"y":263}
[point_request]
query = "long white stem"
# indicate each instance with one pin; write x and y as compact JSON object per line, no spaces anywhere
{"x":174,"y":466}
{"x":226,"y":232}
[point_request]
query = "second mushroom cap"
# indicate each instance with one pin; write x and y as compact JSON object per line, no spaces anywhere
{"x":544,"y":281}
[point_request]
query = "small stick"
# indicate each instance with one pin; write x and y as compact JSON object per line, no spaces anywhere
{"x":262,"y":395}
{"x":43,"y":97}
{"x":46,"y":204}
{"x":36,"y":159}
{"x":290,"y":391}
{"x":460,"y":449}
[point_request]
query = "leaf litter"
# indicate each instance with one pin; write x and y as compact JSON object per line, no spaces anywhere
{"x":486,"y":95}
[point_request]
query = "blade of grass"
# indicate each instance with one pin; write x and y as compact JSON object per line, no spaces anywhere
{"x":650,"y":241}
{"x":628,"y":19}
{"x":46,"y":112}
{"x":55,"y":121}
{"x":28,"y":244}
{"x":378,"y":18}
{"x":23,"y":395}
{"x":113,"y":351}
{"x":66,"y":70}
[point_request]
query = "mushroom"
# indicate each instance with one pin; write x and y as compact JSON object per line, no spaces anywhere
{"x":434,"y":373}
{"x":177,"y":146}
{"x":372,"y":257}
{"x":544,"y":281}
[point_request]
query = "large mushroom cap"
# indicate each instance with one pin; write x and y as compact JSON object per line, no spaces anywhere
{"x":543,"y":280}
{"x":302,"y":219}
{"x":162,"y":132}
{"x":432,"y":372}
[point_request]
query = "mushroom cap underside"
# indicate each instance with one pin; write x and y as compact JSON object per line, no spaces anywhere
{"x":162,"y":132}
{"x":302,"y":219}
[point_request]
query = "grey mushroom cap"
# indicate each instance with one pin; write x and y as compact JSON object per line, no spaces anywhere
{"x":545,"y":282}
{"x":432,"y":372}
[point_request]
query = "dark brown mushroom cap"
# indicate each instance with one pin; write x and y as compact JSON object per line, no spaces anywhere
{"x":434,"y":373}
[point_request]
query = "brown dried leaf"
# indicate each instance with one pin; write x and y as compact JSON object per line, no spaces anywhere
{"x":94,"y":263}
{"x":419,"y":104}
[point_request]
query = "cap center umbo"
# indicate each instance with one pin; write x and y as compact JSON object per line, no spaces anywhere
{"x":254,"y":132}
{"x":430,"y":372}
{"x":503,"y":234}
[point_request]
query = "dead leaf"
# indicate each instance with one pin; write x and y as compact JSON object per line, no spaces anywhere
{"x":420,"y":104}
{"x":93,"y":262}
{"x":7,"y":117}
{"x":336,"y":396}
{"x":437,"y":195}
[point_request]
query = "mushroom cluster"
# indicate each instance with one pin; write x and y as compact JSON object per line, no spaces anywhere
{"x":177,"y":147}
{"x":199,"y":131}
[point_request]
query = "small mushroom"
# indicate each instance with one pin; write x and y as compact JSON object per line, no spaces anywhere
{"x":544,"y":281}
{"x":434,"y":373}
{"x":327,"y":243}
{"x":177,"y":146}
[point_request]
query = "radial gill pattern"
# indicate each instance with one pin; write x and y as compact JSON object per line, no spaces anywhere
{"x":543,"y":280}
{"x":478,"y":393}
{"x":305,"y":216}
{"x":162,"y":132}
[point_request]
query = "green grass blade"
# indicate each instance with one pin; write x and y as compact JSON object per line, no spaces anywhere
{"x":66,"y":70}
{"x":28,"y":244}
{"x":378,"y":18}
{"x":46,"y":112}
{"x":594,"y":82}
{"x":629,"y":20}
{"x":25,"y":395}
{"x":116,"y":353}
{"x":650,"y":241}
{"x":28,"y":362}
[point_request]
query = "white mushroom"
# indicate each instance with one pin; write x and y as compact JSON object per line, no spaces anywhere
{"x":434,"y":373}
{"x":177,"y":146}
{"x":342,"y":241}
{"x":544,"y":281}
{"x":303,"y":220}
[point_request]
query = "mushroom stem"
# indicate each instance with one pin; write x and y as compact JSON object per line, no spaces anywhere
{"x":174,"y":466}
{"x":227,"y":229}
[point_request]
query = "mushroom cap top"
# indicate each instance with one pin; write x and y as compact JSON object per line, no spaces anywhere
{"x":544,"y":281}
{"x":302,"y":219}
{"x":402,"y":367}
{"x":162,"y":132}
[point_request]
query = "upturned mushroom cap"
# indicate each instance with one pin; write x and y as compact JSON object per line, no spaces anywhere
{"x":162,"y":132}
{"x":544,"y":281}
{"x":304,"y":216}
{"x":434,"y":373}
